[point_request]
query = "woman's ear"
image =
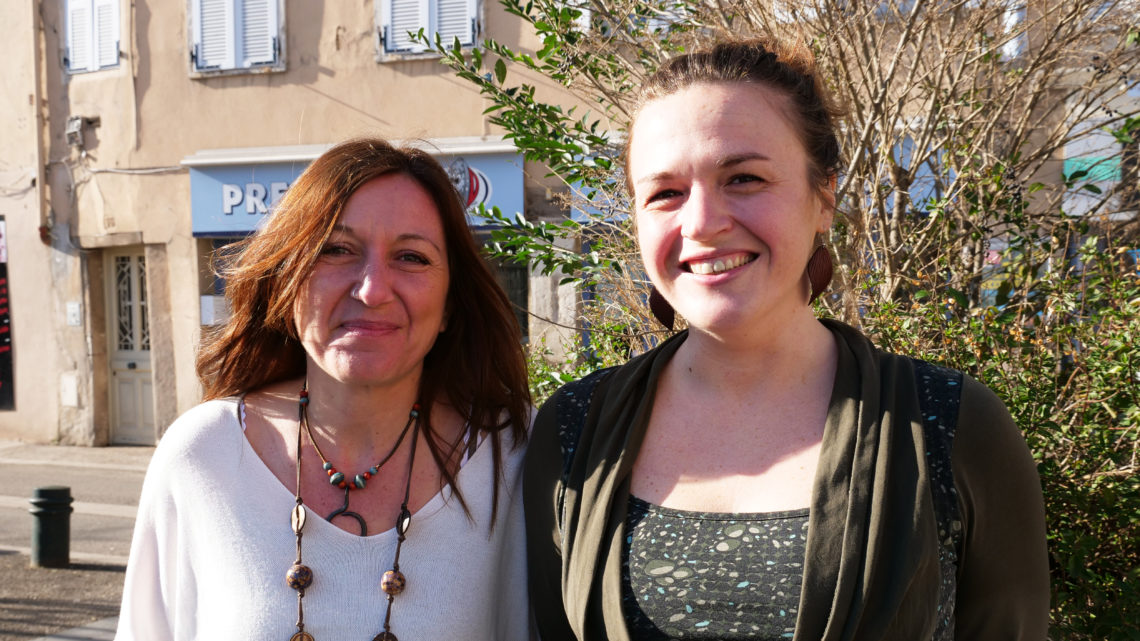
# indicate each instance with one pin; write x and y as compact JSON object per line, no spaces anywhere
{"x":446,"y":315}
{"x":826,"y":205}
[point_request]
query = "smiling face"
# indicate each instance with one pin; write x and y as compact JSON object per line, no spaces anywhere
{"x":725,"y":212}
{"x":377,"y":296}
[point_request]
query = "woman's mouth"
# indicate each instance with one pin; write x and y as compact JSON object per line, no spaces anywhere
{"x":368,"y":327}
{"x":718,"y":265}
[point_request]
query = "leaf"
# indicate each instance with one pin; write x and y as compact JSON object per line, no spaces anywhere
{"x":1076,"y":175}
{"x":500,"y":70}
{"x":958,"y":296}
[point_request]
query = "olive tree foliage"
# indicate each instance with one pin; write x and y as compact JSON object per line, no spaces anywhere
{"x":986,"y":201}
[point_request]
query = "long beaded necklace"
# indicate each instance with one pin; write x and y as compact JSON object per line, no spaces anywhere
{"x":300,"y":576}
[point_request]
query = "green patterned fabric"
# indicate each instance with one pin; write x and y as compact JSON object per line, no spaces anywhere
{"x":712,"y":575}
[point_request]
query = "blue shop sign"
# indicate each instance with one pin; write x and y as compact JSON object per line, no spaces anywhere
{"x":234,"y":199}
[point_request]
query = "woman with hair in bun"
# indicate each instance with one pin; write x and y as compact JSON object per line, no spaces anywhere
{"x":767,"y":474}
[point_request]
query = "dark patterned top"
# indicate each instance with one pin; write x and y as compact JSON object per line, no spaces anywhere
{"x":710,"y":575}
{"x":939,"y":394}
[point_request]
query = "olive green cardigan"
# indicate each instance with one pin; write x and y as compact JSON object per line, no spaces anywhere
{"x":872,"y":569}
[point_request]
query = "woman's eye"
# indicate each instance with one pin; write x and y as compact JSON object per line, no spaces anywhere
{"x":664,"y":194}
{"x":335,"y":249}
{"x":412,"y":257}
{"x":744,"y":178}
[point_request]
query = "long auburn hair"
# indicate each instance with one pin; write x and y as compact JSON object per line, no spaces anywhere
{"x":476,"y":365}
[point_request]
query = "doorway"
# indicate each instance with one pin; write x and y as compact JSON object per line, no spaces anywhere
{"x":128,"y":331}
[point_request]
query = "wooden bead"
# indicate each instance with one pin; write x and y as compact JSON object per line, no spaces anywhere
{"x":301,"y":636}
{"x":385,"y":636}
{"x":393,"y":582}
{"x":299,"y":577}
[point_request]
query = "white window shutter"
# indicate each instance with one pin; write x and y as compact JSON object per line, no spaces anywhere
{"x":1014,"y":24}
{"x":106,"y":33}
{"x":584,"y":20}
{"x":79,"y":53}
{"x":404,"y":16}
{"x":455,"y":19}
{"x":258,"y":32}
{"x":213,"y":34}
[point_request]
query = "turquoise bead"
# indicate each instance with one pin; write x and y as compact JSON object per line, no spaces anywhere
{"x":372,"y":470}
{"x":336,"y":479}
{"x":327,"y":466}
{"x":358,"y":481}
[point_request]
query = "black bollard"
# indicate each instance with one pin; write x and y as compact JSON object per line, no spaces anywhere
{"x":51,"y":531}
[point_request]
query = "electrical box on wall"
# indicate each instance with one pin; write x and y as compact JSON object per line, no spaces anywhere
{"x":214,"y":310}
{"x":74,"y":314}
{"x":69,"y":389}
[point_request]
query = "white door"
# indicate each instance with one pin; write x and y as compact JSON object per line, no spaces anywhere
{"x":132,"y":388}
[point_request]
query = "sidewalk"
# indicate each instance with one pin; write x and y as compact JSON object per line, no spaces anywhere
{"x":78,"y":603}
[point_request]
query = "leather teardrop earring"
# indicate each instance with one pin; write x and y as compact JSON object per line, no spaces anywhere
{"x":661,"y":308}
{"x":819,"y":271}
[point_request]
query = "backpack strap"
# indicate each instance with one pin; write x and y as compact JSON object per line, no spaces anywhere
{"x":939,"y":395}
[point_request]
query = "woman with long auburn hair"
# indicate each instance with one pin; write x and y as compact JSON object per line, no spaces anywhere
{"x":354,"y":470}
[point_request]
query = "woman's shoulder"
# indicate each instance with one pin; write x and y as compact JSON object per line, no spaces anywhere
{"x":577,"y":390}
{"x":960,"y":409}
{"x":563,"y":414}
{"x":204,"y":439}
{"x":570,"y":396}
{"x":206,"y":415}
{"x":201,"y":430}
{"x":892,"y":368}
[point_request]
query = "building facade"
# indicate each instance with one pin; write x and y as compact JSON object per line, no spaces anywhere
{"x":144,"y":135}
{"x":141,"y":136}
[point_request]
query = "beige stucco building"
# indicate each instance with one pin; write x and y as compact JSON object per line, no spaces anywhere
{"x":142,"y":135}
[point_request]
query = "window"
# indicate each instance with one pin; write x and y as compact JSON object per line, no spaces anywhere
{"x":1013,"y":22}
{"x":931,"y":176}
{"x":450,"y":19}
{"x":513,"y":277}
{"x":1112,"y":8}
{"x":648,"y":17}
{"x":92,"y":35}
{"x":241,"y":35}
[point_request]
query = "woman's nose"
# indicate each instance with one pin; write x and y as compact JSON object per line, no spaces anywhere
{"x":373,"y":286}
{"x":704,"y":215}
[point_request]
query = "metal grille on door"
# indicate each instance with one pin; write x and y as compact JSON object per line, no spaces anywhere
{"x":132,"y":395}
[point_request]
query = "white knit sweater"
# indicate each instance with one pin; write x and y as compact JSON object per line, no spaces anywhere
{"x":212,"y":544}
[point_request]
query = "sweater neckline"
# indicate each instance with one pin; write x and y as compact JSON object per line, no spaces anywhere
{"x":265,"y":476}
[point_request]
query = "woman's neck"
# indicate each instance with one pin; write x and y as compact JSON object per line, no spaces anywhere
{"x":754,"y":359}
{"x":354,"y":424}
